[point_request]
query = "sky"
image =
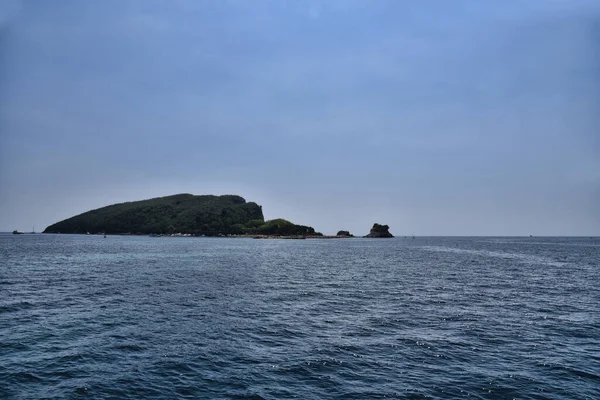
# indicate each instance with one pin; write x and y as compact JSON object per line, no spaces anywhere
{"x":435,"y":117}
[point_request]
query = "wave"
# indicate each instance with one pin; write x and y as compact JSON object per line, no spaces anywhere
{"x":519,"y":257}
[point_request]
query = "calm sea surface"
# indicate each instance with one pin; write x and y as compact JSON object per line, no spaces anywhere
{"x":140,"y":317}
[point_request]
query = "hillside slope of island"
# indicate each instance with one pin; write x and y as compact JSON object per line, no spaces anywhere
{"x":191,"y":215}
{"x":206,"y":215}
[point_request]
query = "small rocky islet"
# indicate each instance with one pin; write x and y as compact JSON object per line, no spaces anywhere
{"x":193,"y":215}
{"x":380,"y":231}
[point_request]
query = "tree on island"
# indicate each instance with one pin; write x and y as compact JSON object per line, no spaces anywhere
{"x":205,"y":215}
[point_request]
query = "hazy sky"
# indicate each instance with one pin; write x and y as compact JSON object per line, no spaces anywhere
{"x":435,"y":117}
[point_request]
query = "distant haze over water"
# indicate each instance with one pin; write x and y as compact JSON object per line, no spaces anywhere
{"x":434,"y":117}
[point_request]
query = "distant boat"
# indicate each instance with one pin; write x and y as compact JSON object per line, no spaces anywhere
{"x":17,"y":233}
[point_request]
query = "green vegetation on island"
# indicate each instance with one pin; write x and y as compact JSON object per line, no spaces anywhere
{"x":182,"y":213}
{"x":282,"y":227}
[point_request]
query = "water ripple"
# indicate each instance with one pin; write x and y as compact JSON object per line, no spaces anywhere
{"x":136,"y":317}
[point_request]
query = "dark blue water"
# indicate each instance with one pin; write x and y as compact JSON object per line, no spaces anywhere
{"x":141,"y":317}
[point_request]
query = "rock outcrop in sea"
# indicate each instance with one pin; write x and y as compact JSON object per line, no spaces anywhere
{"x":344,"y":234}
{"x":380,"y":231}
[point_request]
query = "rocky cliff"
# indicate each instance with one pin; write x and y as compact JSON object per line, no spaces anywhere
{"x":380,"y":231}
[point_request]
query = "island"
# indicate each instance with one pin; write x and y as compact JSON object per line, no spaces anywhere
{"x":182,"y":214}
{"x":379,"y":231}
{"x":344,"y":234}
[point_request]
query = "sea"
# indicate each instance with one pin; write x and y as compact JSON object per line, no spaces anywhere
{"x":132,"y":317}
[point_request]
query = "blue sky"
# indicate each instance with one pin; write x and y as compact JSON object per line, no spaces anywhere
{"x":435,"y":117}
